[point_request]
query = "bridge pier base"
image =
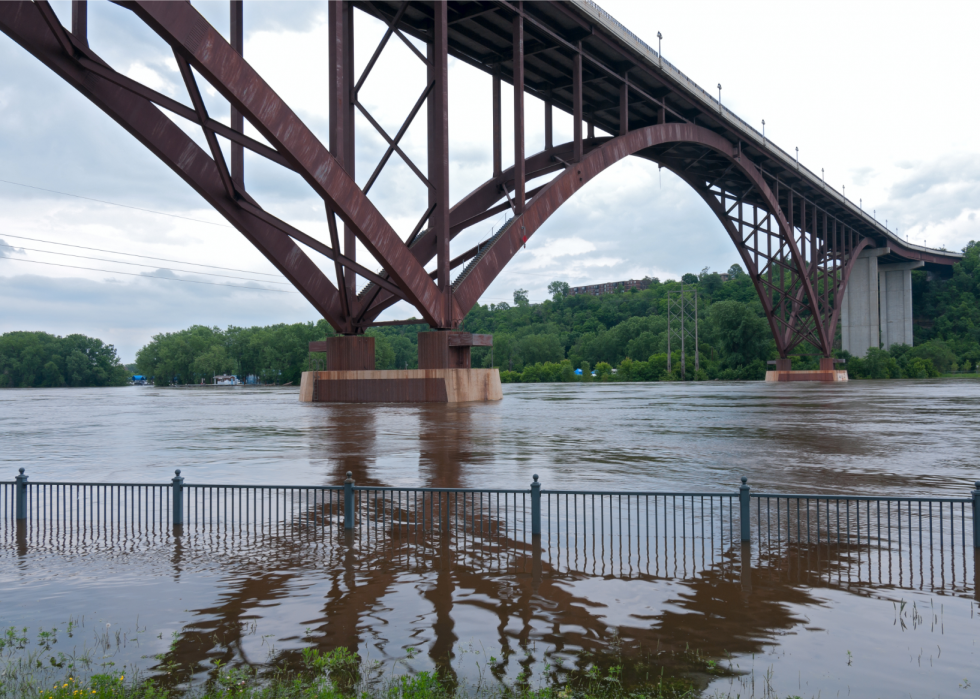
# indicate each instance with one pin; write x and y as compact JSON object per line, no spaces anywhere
{"x":827,"y":372}
{"x":444,"y":374}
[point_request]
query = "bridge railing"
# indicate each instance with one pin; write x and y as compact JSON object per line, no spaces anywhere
{"x":654,"y":531}
{"x":748,"y":130}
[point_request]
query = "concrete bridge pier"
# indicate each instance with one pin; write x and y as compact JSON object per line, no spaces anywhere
{"x":877,"y":305}
{"x":895,"y":302}
{"x":444,"y":374}
{"x":859,"y":315}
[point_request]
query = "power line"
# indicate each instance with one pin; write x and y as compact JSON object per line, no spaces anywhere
{"x":130,"y":254}
{"x":112,"y":203}
{"x":137,"y":264}
{"x":151,"y":276}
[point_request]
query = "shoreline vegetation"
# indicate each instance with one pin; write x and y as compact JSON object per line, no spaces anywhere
{"x":620,"y":336}
{"x":57,"y":664}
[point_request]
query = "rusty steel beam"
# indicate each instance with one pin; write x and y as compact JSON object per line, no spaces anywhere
{"x":189,"y":34}
{"x":497,"y":125}
{"x":237,"y":121}
{"x":79,"y":21}
{"x":519,"y":164}
{"x":438,"y":137}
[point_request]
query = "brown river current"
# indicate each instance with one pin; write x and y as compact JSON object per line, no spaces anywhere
{"x":805,"y":621}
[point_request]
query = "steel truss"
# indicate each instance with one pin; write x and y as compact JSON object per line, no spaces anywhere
{"x":799,"y":253}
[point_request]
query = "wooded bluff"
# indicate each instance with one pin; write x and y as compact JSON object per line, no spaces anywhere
{"x":547,"y":341}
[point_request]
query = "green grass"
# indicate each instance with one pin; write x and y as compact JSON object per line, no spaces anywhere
{"x":34,"y":668}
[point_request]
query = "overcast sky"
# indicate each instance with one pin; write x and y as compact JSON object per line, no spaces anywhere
{"x":877,"y":94}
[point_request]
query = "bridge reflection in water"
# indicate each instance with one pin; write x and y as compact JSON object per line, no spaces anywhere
{"x":381,"y":592}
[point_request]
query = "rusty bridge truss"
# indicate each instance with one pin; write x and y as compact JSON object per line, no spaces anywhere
{"x":797,"y":238}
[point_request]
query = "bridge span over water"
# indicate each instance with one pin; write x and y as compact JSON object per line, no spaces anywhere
{"x":814,"y":257}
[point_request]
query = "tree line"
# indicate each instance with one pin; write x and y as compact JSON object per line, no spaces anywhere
{"x":41,"y":360}
{"x":618,"y":336}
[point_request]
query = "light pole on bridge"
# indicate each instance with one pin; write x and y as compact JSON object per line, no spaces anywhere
{"x":660,"y":53}
{"x":719,"y":98}
{"x":763,"y":132}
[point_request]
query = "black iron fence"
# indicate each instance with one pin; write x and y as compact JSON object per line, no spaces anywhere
{"x":655,"y":532}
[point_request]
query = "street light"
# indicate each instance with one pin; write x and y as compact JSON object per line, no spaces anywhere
{"x":763,"y":132}
{"x":823,"y":177}
{"x":719,"y":98}
{"x":660,"y":54}
{"x":861,"y":203}
{"x":797,"y":157}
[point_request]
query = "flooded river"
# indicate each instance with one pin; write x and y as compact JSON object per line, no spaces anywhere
{"x":804,"y":621}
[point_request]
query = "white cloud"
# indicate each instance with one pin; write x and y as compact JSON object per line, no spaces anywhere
{"x":142,"y":73}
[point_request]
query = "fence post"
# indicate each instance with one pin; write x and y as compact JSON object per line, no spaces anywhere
{"x":349,"y":502}
{"x":743,"y":510}
{"x":21,"y":493}
{"x":178,"y":499}
{"x":976,"y":515}
{"x":535,"y":507}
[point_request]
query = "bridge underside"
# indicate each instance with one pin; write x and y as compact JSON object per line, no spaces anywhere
{"x":799,"y":241}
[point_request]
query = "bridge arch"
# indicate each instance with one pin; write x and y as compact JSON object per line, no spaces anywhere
{"x":788,"y":312}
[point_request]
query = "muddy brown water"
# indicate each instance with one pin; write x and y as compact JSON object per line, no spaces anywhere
{"x":807,"y":620}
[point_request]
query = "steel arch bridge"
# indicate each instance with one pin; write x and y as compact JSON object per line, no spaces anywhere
{"x":797,"y":238}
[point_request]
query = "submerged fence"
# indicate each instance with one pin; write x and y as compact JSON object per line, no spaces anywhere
{"x":655,"y":532}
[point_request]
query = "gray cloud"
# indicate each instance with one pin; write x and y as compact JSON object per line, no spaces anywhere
{"x":938,"y":200}
{"x":10,"y":251}
{"x":127,"y":314}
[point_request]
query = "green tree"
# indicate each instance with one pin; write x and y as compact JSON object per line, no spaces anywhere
{"x":558,"y":290}
{"x":520,"y":297}
{"x":741,"y":335}
{"x":38,"y":359}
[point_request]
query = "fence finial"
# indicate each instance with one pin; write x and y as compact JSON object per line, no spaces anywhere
{"x":535,"y":476}
{"x":22,"y":473}
{"x":21,"y":495}
{"x":350,"y":477}
{"x":744,"y":480}
{"x":177,"y":499}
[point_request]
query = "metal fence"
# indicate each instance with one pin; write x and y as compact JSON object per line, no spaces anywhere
{"x":655,"y":533}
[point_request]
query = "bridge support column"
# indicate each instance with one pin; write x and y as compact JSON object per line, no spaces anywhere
{"x":860,"y":325}
{"x":444,"y":374}
{"x":895,"y":302}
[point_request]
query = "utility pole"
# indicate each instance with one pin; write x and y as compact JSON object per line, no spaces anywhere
{"x":679,"y":304}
